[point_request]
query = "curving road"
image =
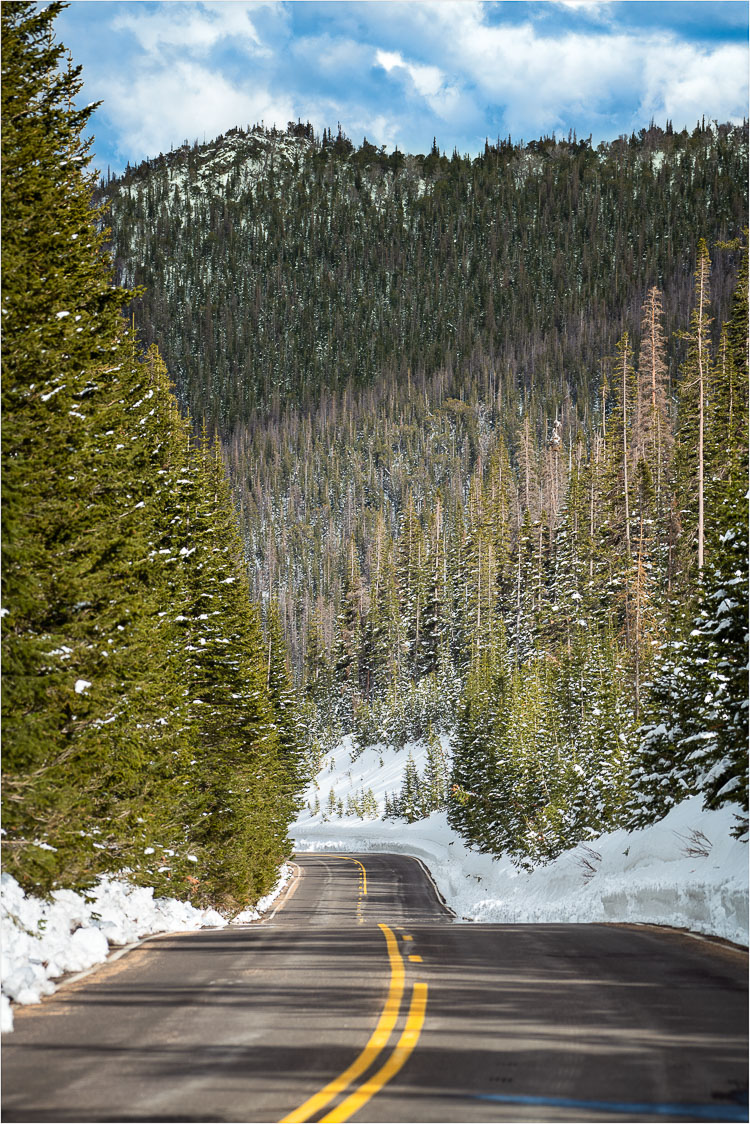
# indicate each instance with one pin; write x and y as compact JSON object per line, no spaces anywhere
{"x":361,"y":999}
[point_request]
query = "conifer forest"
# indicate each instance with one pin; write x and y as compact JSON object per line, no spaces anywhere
{"x":302,"y":438}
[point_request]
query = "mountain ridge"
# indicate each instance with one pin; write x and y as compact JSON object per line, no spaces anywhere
{"x":522,"y":256}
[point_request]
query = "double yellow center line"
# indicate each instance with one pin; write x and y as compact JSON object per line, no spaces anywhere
{"x":375,"y":1046}
{"x":362,"y":886}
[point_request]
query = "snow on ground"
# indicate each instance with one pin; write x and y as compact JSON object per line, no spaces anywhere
{"x":43,"y":940}
{"x":685,"y":871}
{"x":379,"y":767}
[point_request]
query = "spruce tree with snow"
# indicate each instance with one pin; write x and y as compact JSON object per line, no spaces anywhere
{"x":285,"y":704}
{"x":349,"y":629}
{"x":696,"y":737}
{"x":520,"y":611}
{"x":435,"y":780}
{"x":697,"y":399}
{"x":653,"y":437}
{"x":696,"y":730}
{"x":84,"y":667}
{"x":138,"y":727}
{"x":474,"y":772}
{"x":410,"y":798}
{"x":412,"y":555}
{"x":719,"y":659}
{"x":374,"y":652}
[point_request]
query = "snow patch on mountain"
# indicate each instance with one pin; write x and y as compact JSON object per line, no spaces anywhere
{"x":239,"y":156}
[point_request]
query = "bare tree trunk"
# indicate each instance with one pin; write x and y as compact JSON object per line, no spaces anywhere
{"x":625,"y":444}
{"x":701,"y":412}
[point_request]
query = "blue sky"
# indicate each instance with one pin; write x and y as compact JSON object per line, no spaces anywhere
{"x":401,"y":73}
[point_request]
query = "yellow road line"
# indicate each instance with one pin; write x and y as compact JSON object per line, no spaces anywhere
{"x":359,"y":864}
{"x":416,"y":959}
{"x":350,"y":859}
{"x":375,"y":1046}
{"x":362,"y":886}
{"x":399,"y":1057}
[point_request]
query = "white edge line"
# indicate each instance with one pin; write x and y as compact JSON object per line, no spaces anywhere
{"x":440,"y":897}
{"x":285,"y":893}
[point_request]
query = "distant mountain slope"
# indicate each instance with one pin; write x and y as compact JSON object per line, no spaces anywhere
{"x":279,"y":265}
{"x":486,"y":424}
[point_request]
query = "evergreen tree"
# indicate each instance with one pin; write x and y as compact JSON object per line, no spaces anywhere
{"x":137,"y":715}
{"x":696,"y":738}
{"x":435,"y":782}
{"x":317,"y":677}
{"x":350,"y":623}
{"x":238,"y":793}
{"x":410,"y":799}
{"x":653,"y":429}
{"x":719,"y":666}
{"x":285,"y":704}
{"x":81,"y":600}
{"x":411,"y":580}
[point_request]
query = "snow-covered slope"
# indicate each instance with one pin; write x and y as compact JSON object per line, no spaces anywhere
{"x":349,"y":773}
{"x":686,"y":871}
{"x":241,"y":155}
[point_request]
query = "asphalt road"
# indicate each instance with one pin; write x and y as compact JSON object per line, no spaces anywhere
{"x":362,"y":999}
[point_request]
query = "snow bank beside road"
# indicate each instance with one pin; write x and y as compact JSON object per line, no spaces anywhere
{"x":647,"y":876}
{"x":685,"y":871}
{"x":42,"y":940}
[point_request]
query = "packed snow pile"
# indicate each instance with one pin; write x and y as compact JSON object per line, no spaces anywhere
{"x":43,"y":940}
{"x":686,"y":871}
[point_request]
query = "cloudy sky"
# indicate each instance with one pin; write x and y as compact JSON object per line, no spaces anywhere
{"x":401,"y":73}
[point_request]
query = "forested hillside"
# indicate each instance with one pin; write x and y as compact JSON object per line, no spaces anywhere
{"x":486,"y":422}
{"x":278,"y":265}
{"x":485,"y":426}
{"x":144,"y":721}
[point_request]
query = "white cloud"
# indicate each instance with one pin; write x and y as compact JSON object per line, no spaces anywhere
{"x":401,"y":72}
{"x":427,"y":80}
{"x":447,"y":100}
{"x":540,"y":82}
{"x":331,"y":56}
{"x":378,"y":128}
{"x":186,"y":101}
{"x":598,"y":9}
{"x":686,"y":83}
{"x":171,"y":90}
{"x":535,"y":78}
{"x":199,"y":27}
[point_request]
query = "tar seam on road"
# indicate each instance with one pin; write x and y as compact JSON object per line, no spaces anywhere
{"x":351,"y":859}
{"x":699,"y":1111}
{"x":362,"y":886}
